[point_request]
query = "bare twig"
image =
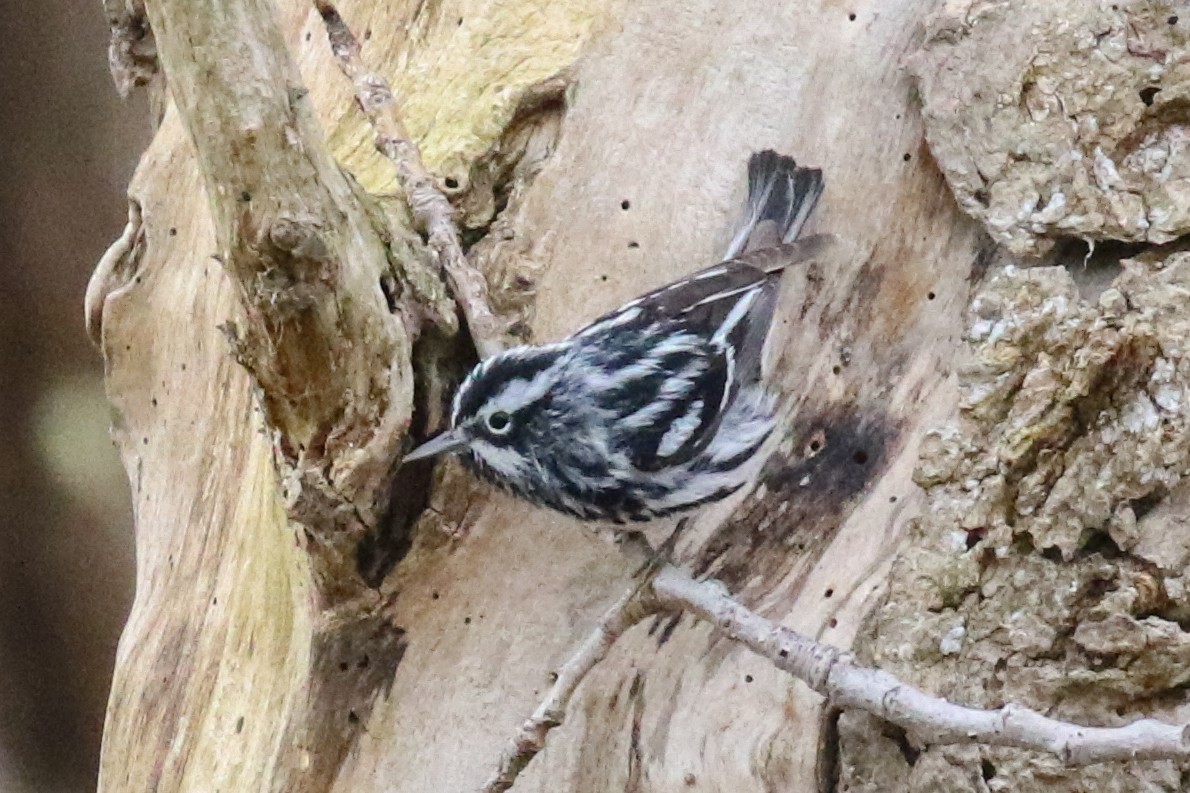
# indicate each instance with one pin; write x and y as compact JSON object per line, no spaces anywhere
{"x":834,"y":674}
{"x":634,"y":606}
{"x":932,"y":720}
{"x":431,"y":210}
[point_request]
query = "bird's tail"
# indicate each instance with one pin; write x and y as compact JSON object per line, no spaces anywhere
{"x":781,"y":197}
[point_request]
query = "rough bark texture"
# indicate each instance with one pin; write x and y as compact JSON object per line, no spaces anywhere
{"x":289,"y":635}
{"x":1077,"y":126}
{"x":1049,"y":567}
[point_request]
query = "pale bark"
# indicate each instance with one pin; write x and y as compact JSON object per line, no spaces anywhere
{"x":265,"y":649}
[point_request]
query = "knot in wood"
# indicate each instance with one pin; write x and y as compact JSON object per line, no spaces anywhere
{"x":300,"y":236}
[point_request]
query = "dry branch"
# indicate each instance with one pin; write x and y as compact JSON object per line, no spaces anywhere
{"x":931,"y":720}
{"x":296,"y":237}
{"x":836,"y":675}
{"x":634,"y":606}
{"x":431,"y":210}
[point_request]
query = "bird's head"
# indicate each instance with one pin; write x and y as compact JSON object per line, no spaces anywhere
{"x":499,"y":411}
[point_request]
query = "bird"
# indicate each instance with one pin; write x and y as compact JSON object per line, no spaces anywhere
{"x":658,"y":407}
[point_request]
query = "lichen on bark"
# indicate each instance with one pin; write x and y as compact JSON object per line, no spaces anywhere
{"x":1062,"y":118}
{"x":1044,"y":570}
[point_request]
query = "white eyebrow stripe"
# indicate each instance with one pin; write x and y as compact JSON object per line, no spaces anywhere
{"x":518,"y":393}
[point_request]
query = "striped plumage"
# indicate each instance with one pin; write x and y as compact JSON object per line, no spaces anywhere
{"x":658,"y":406}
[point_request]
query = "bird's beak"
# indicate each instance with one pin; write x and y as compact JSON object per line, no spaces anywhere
{"x":450,"y":441}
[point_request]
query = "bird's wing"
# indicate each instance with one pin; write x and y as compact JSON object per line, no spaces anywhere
{"x":732,"y":300}
{"x":667,"y":391}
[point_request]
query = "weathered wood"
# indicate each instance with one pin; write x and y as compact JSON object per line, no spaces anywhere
{"x":256,"y":656}
{"x":662,"y":117}
{"x":261,"y":387}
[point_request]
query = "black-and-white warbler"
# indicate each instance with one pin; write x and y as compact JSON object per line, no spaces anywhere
{"x":658,"y":406}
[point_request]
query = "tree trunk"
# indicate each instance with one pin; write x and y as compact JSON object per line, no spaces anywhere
{"x":295,"y":628}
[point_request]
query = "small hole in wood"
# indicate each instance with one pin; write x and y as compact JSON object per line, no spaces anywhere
{"x":342,"y":666}
{"x":245,"y":196}
{"x":368,"y":34}
{"x":747,"y":678}
{"x":974,"y":536}
{"x":836,"y":369}
{"x":353,"y":717}
{"x":892,"y":499}
{"x":173,"y":232}
{"x":239,"y":725}
{"x":625,"y":205}
{"x":906,"y":156}
{"x":1172,"y":20}
{"x":851,"y":17}
{"x":930,"y":296}
{"x":634,"y":245}
{"x":860,"y":457}
{"x":433,"y":596}
{"x":815,"y":446}
{"x":830,"y":592}
{"x":466,"y":620}
{"x":307,"y":35}
{"x":834,"y":623}
{"x":1148,"y":94}
{"x":451,"y":183}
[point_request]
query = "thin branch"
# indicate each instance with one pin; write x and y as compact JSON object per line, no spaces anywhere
{"x":300,"y":247}
{"x":932,"y":720}
{"x":634,"y":606}
{"x":834,"y":674}
{"x":431,"y":209}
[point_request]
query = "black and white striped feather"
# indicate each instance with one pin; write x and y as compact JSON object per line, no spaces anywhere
{"x":656,"y":407}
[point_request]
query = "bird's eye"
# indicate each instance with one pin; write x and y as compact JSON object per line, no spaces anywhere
{"x":499,"y":422}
